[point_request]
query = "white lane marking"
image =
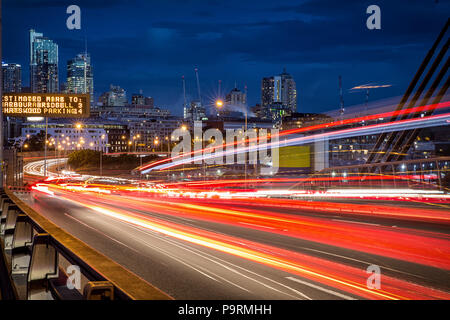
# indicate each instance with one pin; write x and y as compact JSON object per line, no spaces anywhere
{"x":336,"y":255}
{"x":256,"y":225}
{"x":88,"y":226}
{"x":170,"y":241}
{"x":173,"y":257}
{"x":230,"y":282}
{"x":162,"y":238}
{"x":337,"y":294}
{"x":357,"y":222}
{"x":361,"y":261}
{"x":204,"y":255}
{"x":182,"y":262}
{"x":226,"y":267}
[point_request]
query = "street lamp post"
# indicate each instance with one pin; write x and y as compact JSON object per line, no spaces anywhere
{"x":219,"y":105}
{"x":184,"y":128}
{"x":168,"y":146}
{"x":101,"y":154}
{"x":246,"y":152}
{"x":45,"y":147}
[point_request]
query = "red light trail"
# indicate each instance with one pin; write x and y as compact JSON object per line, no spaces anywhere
{"x":339,"y":276}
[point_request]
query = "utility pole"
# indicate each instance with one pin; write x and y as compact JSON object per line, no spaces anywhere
{"x":85,"y":65}
{"x":101,"y":160}
{"x":246,"y":136}
{"x":184,"y":95}
{"x":45,"y":148}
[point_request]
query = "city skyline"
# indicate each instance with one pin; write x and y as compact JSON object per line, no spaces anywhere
{"x":234,"y":155}
{"x":146,"y":43}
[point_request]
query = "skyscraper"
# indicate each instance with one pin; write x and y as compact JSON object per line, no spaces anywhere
{"x":80,"y":78}
{"x":138,"y":99}
{"x":195,"y":112}
{"x":115,"y":97}
{"x":43,"y":63}
{"x":278,"y":96}
{"x":12,"y":77}
{"x":236,"y":98}
{"x":235,"y":103}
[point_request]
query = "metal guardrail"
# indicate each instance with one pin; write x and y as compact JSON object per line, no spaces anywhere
{"x":35,"y":254}
{"x":429,"y":174}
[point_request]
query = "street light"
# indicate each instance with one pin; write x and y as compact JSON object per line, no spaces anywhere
{"x":168,"y":145}
{"x":219,"y":105}
{"x":101,"y":154}
{"x":135,"y":138}
{"x":24,"y":146}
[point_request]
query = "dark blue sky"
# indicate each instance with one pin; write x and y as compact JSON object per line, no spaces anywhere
{"x":150,"y":44}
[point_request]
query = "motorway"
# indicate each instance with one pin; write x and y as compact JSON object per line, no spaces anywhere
{"x":262,"y":248}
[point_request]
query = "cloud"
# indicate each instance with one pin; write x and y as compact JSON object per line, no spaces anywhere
{"x":149,"y":44}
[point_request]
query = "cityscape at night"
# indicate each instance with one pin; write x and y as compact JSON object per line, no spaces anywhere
{"x":227,"y":156}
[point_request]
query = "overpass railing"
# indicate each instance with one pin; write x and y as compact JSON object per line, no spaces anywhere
{"x":420,"y":174}
{"x":40,"y":261}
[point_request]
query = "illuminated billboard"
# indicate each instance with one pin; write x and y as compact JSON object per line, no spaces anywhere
{"x":294,"y":157}
{"x":51,"y":105}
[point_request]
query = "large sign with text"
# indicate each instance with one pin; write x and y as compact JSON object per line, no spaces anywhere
{"x":51,"y":105}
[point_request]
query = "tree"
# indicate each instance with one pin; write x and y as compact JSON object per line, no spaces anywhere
{"x":36,"y":142}
{"x":83,"y":158}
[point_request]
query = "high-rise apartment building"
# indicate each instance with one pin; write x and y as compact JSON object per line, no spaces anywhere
{"x":43,"y":64}
{"x":278,"y":96}
{"x":236,"y":98}
{"x":195,"y":112}
{"x":12,"y":77}
{"x":138,"y":99}
{"x":115,"y":97}
{"x":80,"y":78}
{"x":235,"y":103}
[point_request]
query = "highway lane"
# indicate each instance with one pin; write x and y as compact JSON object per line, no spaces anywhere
{"x":197,"y":272}
{"x":183,"y":270}
{"x":388,"y":221}
{"x":37,"y":168}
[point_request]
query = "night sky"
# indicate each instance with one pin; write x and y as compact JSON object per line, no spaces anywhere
{"x":150,"y":44}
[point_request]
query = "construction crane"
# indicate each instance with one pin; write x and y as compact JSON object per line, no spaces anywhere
{"x":198,"y":86}
{"x":341,"y":97}
{"x":367,"y":87}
